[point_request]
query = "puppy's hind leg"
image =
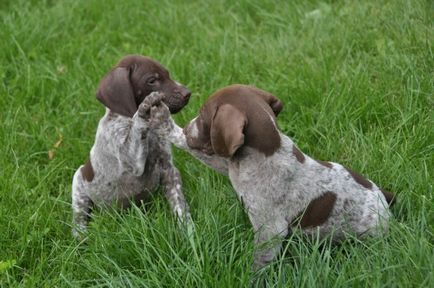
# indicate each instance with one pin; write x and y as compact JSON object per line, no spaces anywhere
{"x":171,"y":180}
{"x":81,"y":206}
{"x":269,"y":236}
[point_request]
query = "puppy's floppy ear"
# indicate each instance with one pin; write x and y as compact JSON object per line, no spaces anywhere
{"x":227,"y":128}
{"x":276,"y":105}
{"x":274,"y":102}
{"x":116,"y":93}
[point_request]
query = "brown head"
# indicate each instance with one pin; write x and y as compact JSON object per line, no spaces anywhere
{"x":234,"y":117}
{"x":135,"y":77}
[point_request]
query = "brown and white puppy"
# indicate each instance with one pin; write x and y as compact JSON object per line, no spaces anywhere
{"x":280,"y":186}
{"x":131,"y":156}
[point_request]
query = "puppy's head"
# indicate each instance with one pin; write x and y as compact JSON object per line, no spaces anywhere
{"x":134,"y":78}
{"x":233,"y":117}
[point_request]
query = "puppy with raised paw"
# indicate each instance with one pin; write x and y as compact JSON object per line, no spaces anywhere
{"x":131,"y":156}
{"x":281,"y":187}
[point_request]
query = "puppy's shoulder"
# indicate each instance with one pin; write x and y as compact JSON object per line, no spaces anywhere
{"x":112,"y":120}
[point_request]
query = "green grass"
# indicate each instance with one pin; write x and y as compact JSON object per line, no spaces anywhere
{"x":357,"y":81}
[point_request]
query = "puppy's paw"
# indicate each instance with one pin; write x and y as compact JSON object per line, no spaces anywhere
{"x":144,"y":110}
{"x":79,"y":232}
{"x":190,"y":228}
{"x":187,"y":225}
{"x":160,"y":119}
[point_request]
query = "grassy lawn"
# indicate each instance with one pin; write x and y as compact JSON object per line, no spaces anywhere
{"x":357,"y":82}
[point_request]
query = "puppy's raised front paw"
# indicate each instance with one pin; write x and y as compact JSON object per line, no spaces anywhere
{"x":160,"y":119}
{"x":152,"y":99}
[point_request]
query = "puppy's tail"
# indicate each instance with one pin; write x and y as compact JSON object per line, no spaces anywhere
{"x":390,"y":197}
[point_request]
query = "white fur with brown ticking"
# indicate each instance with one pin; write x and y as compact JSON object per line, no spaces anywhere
{"x":131,"y":156}
{"x":280,"y":187}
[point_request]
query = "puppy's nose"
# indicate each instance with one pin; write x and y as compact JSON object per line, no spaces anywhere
{"x":185,"y":93}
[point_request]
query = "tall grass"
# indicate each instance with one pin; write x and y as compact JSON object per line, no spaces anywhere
{"x":356,"y":78}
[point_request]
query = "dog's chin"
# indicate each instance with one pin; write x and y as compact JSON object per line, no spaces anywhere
{"x":176,"y":105}
{"x":194,"y":144}
{"x":208,"y":151}
{"x":174,"y":110}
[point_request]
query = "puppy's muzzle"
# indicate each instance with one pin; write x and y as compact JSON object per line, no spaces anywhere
{"x":182,"y":93}
{"x":180,"y":97}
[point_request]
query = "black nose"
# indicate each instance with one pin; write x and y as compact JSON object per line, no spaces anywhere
{"x":185,"y":93}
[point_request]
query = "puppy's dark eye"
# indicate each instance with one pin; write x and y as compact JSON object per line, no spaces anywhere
{"x":152,"y":81}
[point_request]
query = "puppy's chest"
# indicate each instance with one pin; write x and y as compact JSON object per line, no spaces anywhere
{"x":158,"y":150}
{"x":115,"y":180}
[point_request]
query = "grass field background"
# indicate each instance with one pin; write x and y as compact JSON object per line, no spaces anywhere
{"x":356,"y":78}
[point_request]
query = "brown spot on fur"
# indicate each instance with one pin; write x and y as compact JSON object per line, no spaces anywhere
{"x":87,"y":171}
{"x":317,"y":212}
{"x":325,"y":163}
{"x":360,"y":179}
{"x":298,"y":154}
{"x":390,"y":198}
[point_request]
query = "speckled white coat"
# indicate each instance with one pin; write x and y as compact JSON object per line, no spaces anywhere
{"x":130,"y":158}
{"x":278,"y":188}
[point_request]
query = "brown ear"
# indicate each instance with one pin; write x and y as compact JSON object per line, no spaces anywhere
{"x":227,"y":128}
{"x":276,"y":105}
{"x":116,"y":93}
{"x":274,"y":102}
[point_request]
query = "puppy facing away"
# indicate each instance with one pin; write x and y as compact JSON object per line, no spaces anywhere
{"x":281,"y":187}
{"x":131,"y":156}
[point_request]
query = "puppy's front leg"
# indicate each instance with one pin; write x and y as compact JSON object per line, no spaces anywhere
{"x":171,"y":180}
{"x":218,"y":163}
{"x":162,"y":124}
{"x":269,"y":235}
{"x":133,"y":152}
